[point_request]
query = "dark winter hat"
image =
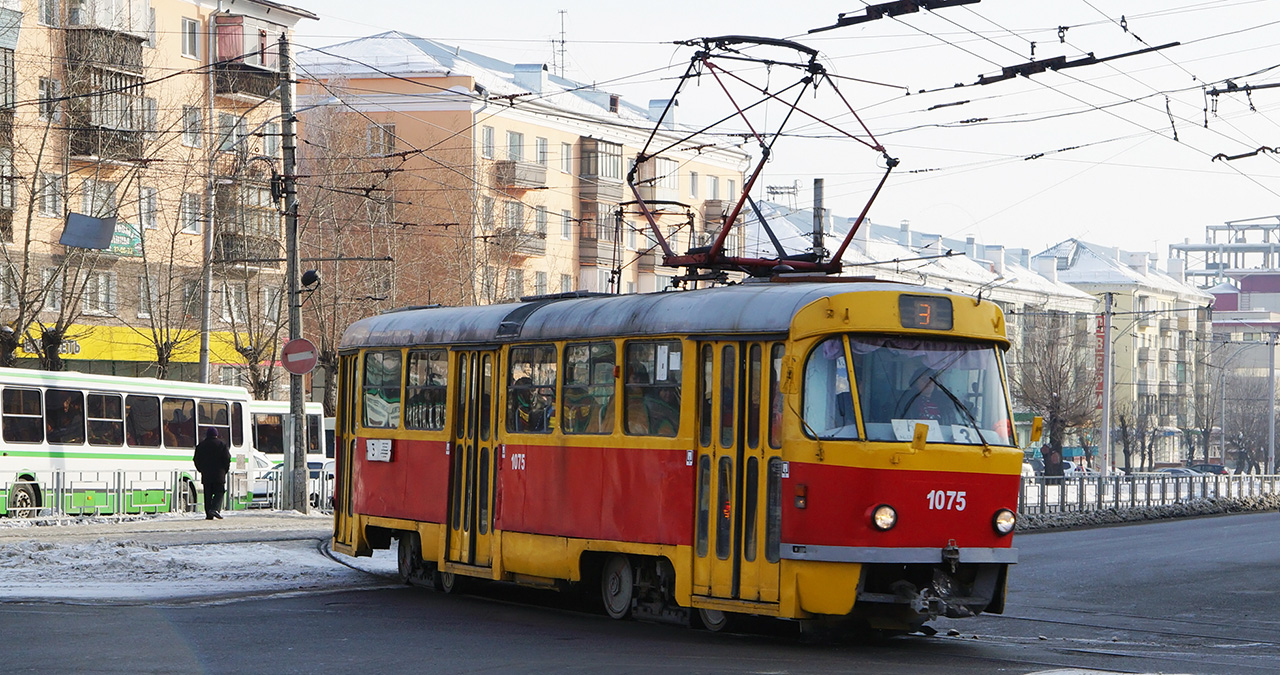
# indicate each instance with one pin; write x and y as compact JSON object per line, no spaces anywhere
{"x":212,"y":433}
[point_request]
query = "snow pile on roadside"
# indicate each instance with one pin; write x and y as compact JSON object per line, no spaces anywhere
{"x":1029,"y":522}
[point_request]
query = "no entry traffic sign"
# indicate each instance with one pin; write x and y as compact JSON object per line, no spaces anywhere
{"x":298,"y":356}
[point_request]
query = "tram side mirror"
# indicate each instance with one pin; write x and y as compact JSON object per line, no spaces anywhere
{"x":918,"y":438}
{"x":1037,"y":428}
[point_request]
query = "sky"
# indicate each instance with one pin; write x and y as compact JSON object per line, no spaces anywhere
{"x":1087,"y":151}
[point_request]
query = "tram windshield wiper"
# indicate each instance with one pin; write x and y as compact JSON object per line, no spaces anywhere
{"x":973,"y":421}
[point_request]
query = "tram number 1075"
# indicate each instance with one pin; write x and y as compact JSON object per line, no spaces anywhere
{"x":946,"y":500}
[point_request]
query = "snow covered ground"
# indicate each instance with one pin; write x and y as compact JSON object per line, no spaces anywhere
{"x":177,"y":557}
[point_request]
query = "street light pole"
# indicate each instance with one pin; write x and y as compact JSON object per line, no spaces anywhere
{"x":295,"y":476}
{"x":1271,"y":407}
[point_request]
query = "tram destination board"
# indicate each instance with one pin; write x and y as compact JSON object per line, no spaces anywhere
{"x":924,"y":311}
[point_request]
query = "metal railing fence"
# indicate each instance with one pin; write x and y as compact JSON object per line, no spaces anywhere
{"x":1056,"y":494}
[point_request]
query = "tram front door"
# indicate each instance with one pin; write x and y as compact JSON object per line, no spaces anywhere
{"x":738,"y":474}
{"x":471,"y":459}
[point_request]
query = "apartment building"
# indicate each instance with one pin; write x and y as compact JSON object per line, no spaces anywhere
{"x":157,"y":123}
{"x":503,"y":180}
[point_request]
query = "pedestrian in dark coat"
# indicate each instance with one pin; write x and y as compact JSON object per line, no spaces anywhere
{"x":213,"y":461}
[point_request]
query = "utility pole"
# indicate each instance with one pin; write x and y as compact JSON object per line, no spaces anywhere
{"x":295,"y":466}
{"x":1105,"y":439}
{"x":819,"y":214}
{"x":1271,"y":418}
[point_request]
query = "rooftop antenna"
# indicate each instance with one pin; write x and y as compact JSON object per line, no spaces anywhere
{"x":560,"y":66}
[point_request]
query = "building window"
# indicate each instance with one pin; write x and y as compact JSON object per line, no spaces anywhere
{"x":487,"y":205}
{"x":271,"y":140}
{"x":150,"y":118}
{"x":381,"y":139}
{"x":732,"y":192}
{"x":235,"y":302}
{"x":48,"y":11}
{"x":146,"y":297}
{"x":566,"y":157}
{"x":116,"y":103}
{"x":515,"y":283}
{"x":713,"y":187}
{"x":693,"y":184}
{"x":100,"y":293}
{"x":668,"y":173}
{"x":566,"y":224}
{"x":151,"y":28}
{"x":602,"y":159}
{"x":540,"y":220}
{"x":190,"y":38}
{"x":514,"y":215}
{"x":540,"y":150}
{"x":232,"y":129}
{"x":515,"y":146}
{"x":52,"y":189}
{"x":191,"y":212}
{"x":149,"y":207}
{"x":539,"y":283}
{"x":98,"y":198}
{"x":7,"y":178}
{"x":486,"y":142}
{"x":6,"y":78}
{"x":192,"y":126}
{"x":50,"y":95}
{"x":566,"y":283}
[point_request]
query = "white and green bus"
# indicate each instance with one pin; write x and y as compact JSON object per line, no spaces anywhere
{"x":80,"y":444}
{"x":268,"y":420}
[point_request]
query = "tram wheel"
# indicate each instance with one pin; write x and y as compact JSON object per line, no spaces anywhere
{"x":450,"y":583}
{"x":22,"y":500}
{"x":714,"y":620}
{"x":617,"y":584}
{"x":408,"y":557}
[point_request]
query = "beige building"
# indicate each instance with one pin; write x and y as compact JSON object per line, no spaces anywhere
{"x":159,"y":121}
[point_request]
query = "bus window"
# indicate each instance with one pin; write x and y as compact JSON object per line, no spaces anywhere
{"x":313,"y":434}
{"x":268,"y":433}
{"x":381,"y":391}
{"x":214,"y":414}
{"x":531,"y":390}
{"x":106,"y":419}
{"x":589,"y":388}
{"x":22,"y":420}
{"x":142,"y":421}
{"x":424,"y":389}
{"x":64,"y":416}
{"x":651,"y":401}
{"x":237,"y":424}
{"x":180,"y":422}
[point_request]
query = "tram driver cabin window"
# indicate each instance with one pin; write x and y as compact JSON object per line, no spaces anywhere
{"x":425,"y":388}
{"x":828,"y":400}
{"x":381,"y":390}
{"x":531,"y":390}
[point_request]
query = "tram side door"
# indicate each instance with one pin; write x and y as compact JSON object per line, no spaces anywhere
{"x":734,"y":453}
{"x":345,"y":441}
{"x":471,"y":459}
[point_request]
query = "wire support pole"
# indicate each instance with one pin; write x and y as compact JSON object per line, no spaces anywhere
{"x":295,"y":487}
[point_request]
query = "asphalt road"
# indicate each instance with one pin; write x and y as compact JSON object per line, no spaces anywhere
{"x":1193,"y":596}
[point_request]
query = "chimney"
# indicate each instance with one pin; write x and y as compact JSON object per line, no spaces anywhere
{"x":904,"y":233}
{"x":995,"y":254}
{"x":1047,"y":267}
{"x":1177,"y":269}
{"x":970,"y":246}
{"x":532,"y":76}
{"x":1024,"y":257}
{"x":1137,"y":261}
{"x":656,"y":108}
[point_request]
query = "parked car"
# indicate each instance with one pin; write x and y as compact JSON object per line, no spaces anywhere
{"x":316,"y":484}
{"x":1211,"y":468}
{"x":1178,"y":471}
{"x":1072,"y":470}
{"x":1028,"y":471}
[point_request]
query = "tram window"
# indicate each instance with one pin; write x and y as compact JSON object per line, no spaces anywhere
{"x":106,"y":419}
{"x":483,"y":526}
{"x":728,"y":387}
{"x":142,"y":421}
{"x":486,"y":396}
{"x":724,"y":514}
{"x":704,"y":503}
{"x":753,"y":397}
{"x":828,"y":401}
{"x":775,"y":397}
{"x":773,"y":513}
{"x":750,"y":503}
{"x":22,"y":420}
{"x":213,"y":415}
{"x":704,"y":396}
{"x":651,"y":402}
{"x":461,"y":407}
{"x":531,"y":390}
{"x":237,"y":424}
{"x":180,"y":422}
{"x":426,"y":383}
{"x":64,"y":416}
{"x":589,"y":387}
{"x":381,"y":391}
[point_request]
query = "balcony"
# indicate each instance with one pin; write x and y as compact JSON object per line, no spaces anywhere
{"x":242,"y":249}
{"x":239,"y":79}
{"x":714,"y":210}
{"x":596,"y":189}
{"x":521,"y":242}
{"x":96,"y":47}
{"x":1144,"y":354}
{"x":519,"y":175}
{"x":104,"y":142}
{"x":592,"y":250}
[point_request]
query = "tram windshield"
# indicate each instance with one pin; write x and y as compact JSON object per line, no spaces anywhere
{"x":954,"y":388}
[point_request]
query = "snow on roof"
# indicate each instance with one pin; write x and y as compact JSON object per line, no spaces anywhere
{"x":1106,"y":266}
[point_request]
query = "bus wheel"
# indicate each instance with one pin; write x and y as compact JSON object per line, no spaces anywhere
{"x":408,"y":557}
{"x":617,"y":583}
{"x":448,"y":582}
{"x":186,"y":497}
{"x":22,"y":499}
{"x":714,"y":620}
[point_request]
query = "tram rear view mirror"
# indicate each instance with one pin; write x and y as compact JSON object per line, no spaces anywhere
{"x":1037,"y":428}
{"x":918,"y":438}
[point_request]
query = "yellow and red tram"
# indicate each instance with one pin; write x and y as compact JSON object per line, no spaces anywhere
{"x":799,"y":450}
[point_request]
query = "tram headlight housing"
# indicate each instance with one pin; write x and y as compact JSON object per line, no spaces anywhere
{"x":1004,"y":521}
{"x":884,"y":517}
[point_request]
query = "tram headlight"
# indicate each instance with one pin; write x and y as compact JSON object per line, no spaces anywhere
{"x":884,"y":517}
{"x":1003,"y":521}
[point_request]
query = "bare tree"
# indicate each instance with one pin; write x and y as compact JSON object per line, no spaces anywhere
{"x":1248,"y":415}
{"x":1053,"y":375}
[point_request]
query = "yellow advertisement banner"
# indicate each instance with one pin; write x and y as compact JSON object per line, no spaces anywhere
{"x":122,"y":343}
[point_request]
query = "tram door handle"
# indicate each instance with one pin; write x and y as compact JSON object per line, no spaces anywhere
{"x":448,"y":448}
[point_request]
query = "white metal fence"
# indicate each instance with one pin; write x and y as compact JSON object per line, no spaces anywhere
{"x":1056,"y":494}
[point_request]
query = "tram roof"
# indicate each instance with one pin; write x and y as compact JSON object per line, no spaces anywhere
{"x":750,"y":308}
